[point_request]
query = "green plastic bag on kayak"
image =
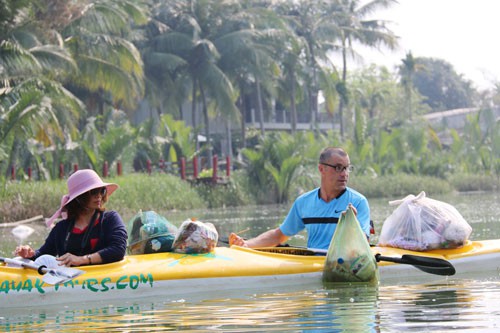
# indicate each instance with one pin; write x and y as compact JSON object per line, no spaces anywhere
{"x":150,"y":232}
{"x":349,"y":257}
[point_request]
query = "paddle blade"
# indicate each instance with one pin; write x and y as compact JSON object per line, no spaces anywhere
{"x":426,"y":264}
{"x":430,"y":265}
{"x":60,"y":275}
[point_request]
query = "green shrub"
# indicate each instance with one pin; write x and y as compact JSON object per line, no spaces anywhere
{"x":399,"y":185}
{"x":215,"y":196}
{"x":467,"y":182}
{"x":163,"y":192}
{"x":159,"y":192}
{"x":22,"y":200}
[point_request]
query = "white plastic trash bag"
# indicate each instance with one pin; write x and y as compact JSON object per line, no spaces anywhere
{"x":420,"y":223}
{"x":195,"y":237}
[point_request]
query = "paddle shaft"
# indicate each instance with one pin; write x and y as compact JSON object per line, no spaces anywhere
{"x":40,"y":269}
{"x":50,"y":275}
{"x":430,"y":265}
{"x":426,"y":264}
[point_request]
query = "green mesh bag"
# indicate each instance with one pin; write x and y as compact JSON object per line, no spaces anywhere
{"x":349,"y":257}
{"x":150,"y":232}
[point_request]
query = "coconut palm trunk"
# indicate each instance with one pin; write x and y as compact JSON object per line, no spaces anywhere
{"x":259,"y":107}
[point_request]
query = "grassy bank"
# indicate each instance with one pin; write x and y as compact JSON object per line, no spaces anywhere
{"x":159,"y":192}
{"x":22,"y":200}
{"x":163,"y":192}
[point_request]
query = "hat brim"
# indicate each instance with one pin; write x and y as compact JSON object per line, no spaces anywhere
{"x":110,"y":188}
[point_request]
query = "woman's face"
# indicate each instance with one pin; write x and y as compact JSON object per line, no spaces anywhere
{"x":96,"y":198}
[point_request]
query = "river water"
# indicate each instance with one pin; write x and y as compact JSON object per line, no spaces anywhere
{"x":468,"y":305}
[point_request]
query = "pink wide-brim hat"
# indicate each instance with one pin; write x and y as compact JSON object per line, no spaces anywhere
{"x":79,"y":183}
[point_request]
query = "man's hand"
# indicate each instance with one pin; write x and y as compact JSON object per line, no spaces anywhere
{"x":234,"y":239}
{"x":354,"y":210}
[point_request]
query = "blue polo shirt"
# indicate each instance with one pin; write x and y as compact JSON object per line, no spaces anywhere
{"x":320,"y":218}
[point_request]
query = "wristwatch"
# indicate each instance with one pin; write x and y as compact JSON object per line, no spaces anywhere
{"x":89,"y":257}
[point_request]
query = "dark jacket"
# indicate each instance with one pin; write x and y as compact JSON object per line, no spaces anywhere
{"x":108,"y":236}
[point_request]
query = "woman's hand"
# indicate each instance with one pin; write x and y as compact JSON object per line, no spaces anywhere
{"x":24,"y":251}
{"x":69,"y":260}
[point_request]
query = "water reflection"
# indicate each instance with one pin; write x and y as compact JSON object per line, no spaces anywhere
{"x":436,"y":304}
{"x":346,"y":307}
{"x":471,"y":305}
{"x":351,"y":308}
{"x":441,"y":307}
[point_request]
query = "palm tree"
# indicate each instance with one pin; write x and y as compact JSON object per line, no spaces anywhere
{"x":247,"y":56}
{"x":216,"y":45}
{"x":34,"y":105}
{"x":355,"y":26}
{"x":293,"y":72}
{"x":313,"y":24}
{"x":406,"y":70}
{"x":165,"y":83}
{"x":110,"y":68}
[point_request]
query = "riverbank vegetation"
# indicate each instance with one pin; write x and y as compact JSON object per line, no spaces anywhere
{"x":163,"y":192}
{"x":132,"y":82}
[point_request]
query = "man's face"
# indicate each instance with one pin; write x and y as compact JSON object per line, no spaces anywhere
{"x":335,"y":172}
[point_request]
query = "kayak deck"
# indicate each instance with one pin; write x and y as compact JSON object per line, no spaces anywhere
{"x":223,"y":269}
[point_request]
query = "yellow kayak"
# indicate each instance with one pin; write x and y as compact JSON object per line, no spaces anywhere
{"x":169,"y":274}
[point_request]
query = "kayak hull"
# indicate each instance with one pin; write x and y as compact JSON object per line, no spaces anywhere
{"x":170,"y":275}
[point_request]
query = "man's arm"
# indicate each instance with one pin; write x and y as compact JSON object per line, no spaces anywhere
{"x":269,"y":238}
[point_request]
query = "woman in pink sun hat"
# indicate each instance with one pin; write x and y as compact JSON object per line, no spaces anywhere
{"x":87,"y":234}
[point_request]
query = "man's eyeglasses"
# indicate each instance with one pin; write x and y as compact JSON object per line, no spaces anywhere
{"x":339,"y":167}
{"x":100,"y":190}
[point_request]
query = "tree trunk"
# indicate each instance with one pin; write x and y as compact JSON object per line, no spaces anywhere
{"x":193,"y":116}
{"x":293,"y":107}
{"x":313,"y":90}
{"x":229,"y":139}
{"x":243,"y":114}
{"x":13,"y":156}
{"x":260,"y":108}
{"x":410,"y":90}
{"x":207,"y":127}
{"x":344,"y":79}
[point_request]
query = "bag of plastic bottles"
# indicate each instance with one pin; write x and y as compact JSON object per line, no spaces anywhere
{"x":349,"y":257}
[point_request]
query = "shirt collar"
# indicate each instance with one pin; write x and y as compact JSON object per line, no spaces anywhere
{"x":338,"y":196}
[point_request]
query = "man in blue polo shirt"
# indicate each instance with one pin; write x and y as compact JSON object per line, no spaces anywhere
{"x":319,"y":210}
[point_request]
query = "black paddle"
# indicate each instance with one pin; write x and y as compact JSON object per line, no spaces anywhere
{"x":429,"y":265}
